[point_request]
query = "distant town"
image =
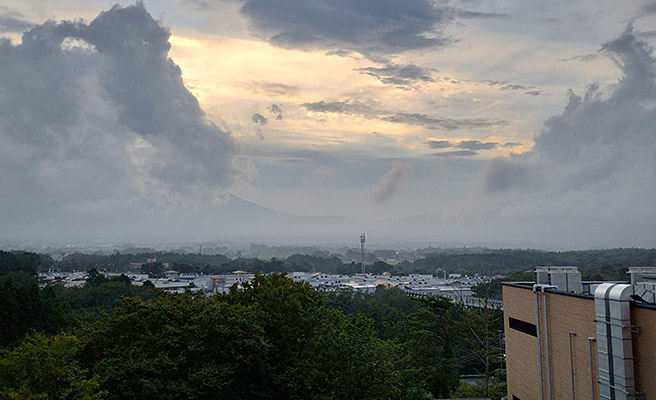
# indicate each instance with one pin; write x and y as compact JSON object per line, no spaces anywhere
{"x":454,"y":286}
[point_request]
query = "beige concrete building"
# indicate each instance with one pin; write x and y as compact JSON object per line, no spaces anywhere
{"x":567,"y":339}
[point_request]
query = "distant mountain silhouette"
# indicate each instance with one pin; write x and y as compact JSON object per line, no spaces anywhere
{"x":248,"y":220}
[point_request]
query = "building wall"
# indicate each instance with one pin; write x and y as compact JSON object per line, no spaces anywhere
{"x":521,"y":348}
{"x":572,"y":314}
{"x":566,"y":314}
{"x":644,"y":350}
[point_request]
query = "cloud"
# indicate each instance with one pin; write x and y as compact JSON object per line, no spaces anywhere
{"x":503,"y":175}
{"x":275,"y":110}
{"x":349,"y":107}
{"x":441,"y":123}
{"x":586,"y":57}
{"x":455,"y":153}
{"x":12,"y":21}
{"x":649,"y":9}
{"x":323,"y":174}
{"x":392,"y":182}
{"x":647,"y":34}
{"x":438,"y":144}
{"x":338,"y":107}
{"x":97,"y":115}
{"x":510,"y":145}
{"x":503,"y":85}
{"x":476,"y":145}
{"x":339,"y":52}
{"x":481,"y":15}
{"x":400,"y":75}
{"x":365,"y":26}
{"x":595,"y":159}
{"x":273,"y":89}
{"x":259,"y":119}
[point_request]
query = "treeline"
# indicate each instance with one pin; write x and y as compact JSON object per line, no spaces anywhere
{"x":595,"y":264}
{"x":26,"y":307}
{"x":120,"y":261}
{"x":274,"y":338}
{"x":505,"y":261}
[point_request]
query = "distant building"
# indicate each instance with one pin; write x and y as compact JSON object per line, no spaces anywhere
{"x":568,"y":339}
{"x":171,"y":274}
{"x":218,"y":283}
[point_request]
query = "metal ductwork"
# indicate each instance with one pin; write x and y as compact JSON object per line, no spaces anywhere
{"x":566,"y":279}
{"x":642,"y":275}
{"x":614,"y":341}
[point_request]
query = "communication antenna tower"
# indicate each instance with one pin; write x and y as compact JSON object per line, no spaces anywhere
{"x":362,"y":240}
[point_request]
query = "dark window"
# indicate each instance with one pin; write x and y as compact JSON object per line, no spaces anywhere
{"x":522,"y":326}
{"x":515,"y":397}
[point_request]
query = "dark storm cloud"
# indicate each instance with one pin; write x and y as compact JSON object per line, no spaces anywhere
{"x":259,"y":119}
{"x":275,"y":110}
{"x":476,"y":145}
{"x":455,"y":153}
{"x":600,"y":148}
{"x":392,"y":182}
{"x":438,"y":144}
{"x":364,"y":26}
{"x":401,"y":75}
{"x":95,"y":116}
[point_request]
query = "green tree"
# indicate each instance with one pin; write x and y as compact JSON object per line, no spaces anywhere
{"x":312,"y":345}
{"x":101,"y":295}
{"x":95,"y":278}
{"x":272,"y":339}
{"x":26,"y":307}
{"x":429,"y":352}
{"x":44,"y":367}
{"x":179,"y":346}
{"x":476,"y":332}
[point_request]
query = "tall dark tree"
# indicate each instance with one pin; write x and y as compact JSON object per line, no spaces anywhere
{"x":25,"y":308}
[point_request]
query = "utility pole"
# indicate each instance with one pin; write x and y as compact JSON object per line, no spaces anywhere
{"x":362,"y":240}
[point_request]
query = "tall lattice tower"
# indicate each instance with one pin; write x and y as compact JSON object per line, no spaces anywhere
{"x":362,"y":240}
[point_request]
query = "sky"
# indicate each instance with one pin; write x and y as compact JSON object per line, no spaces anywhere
{"x":508,"y":123}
